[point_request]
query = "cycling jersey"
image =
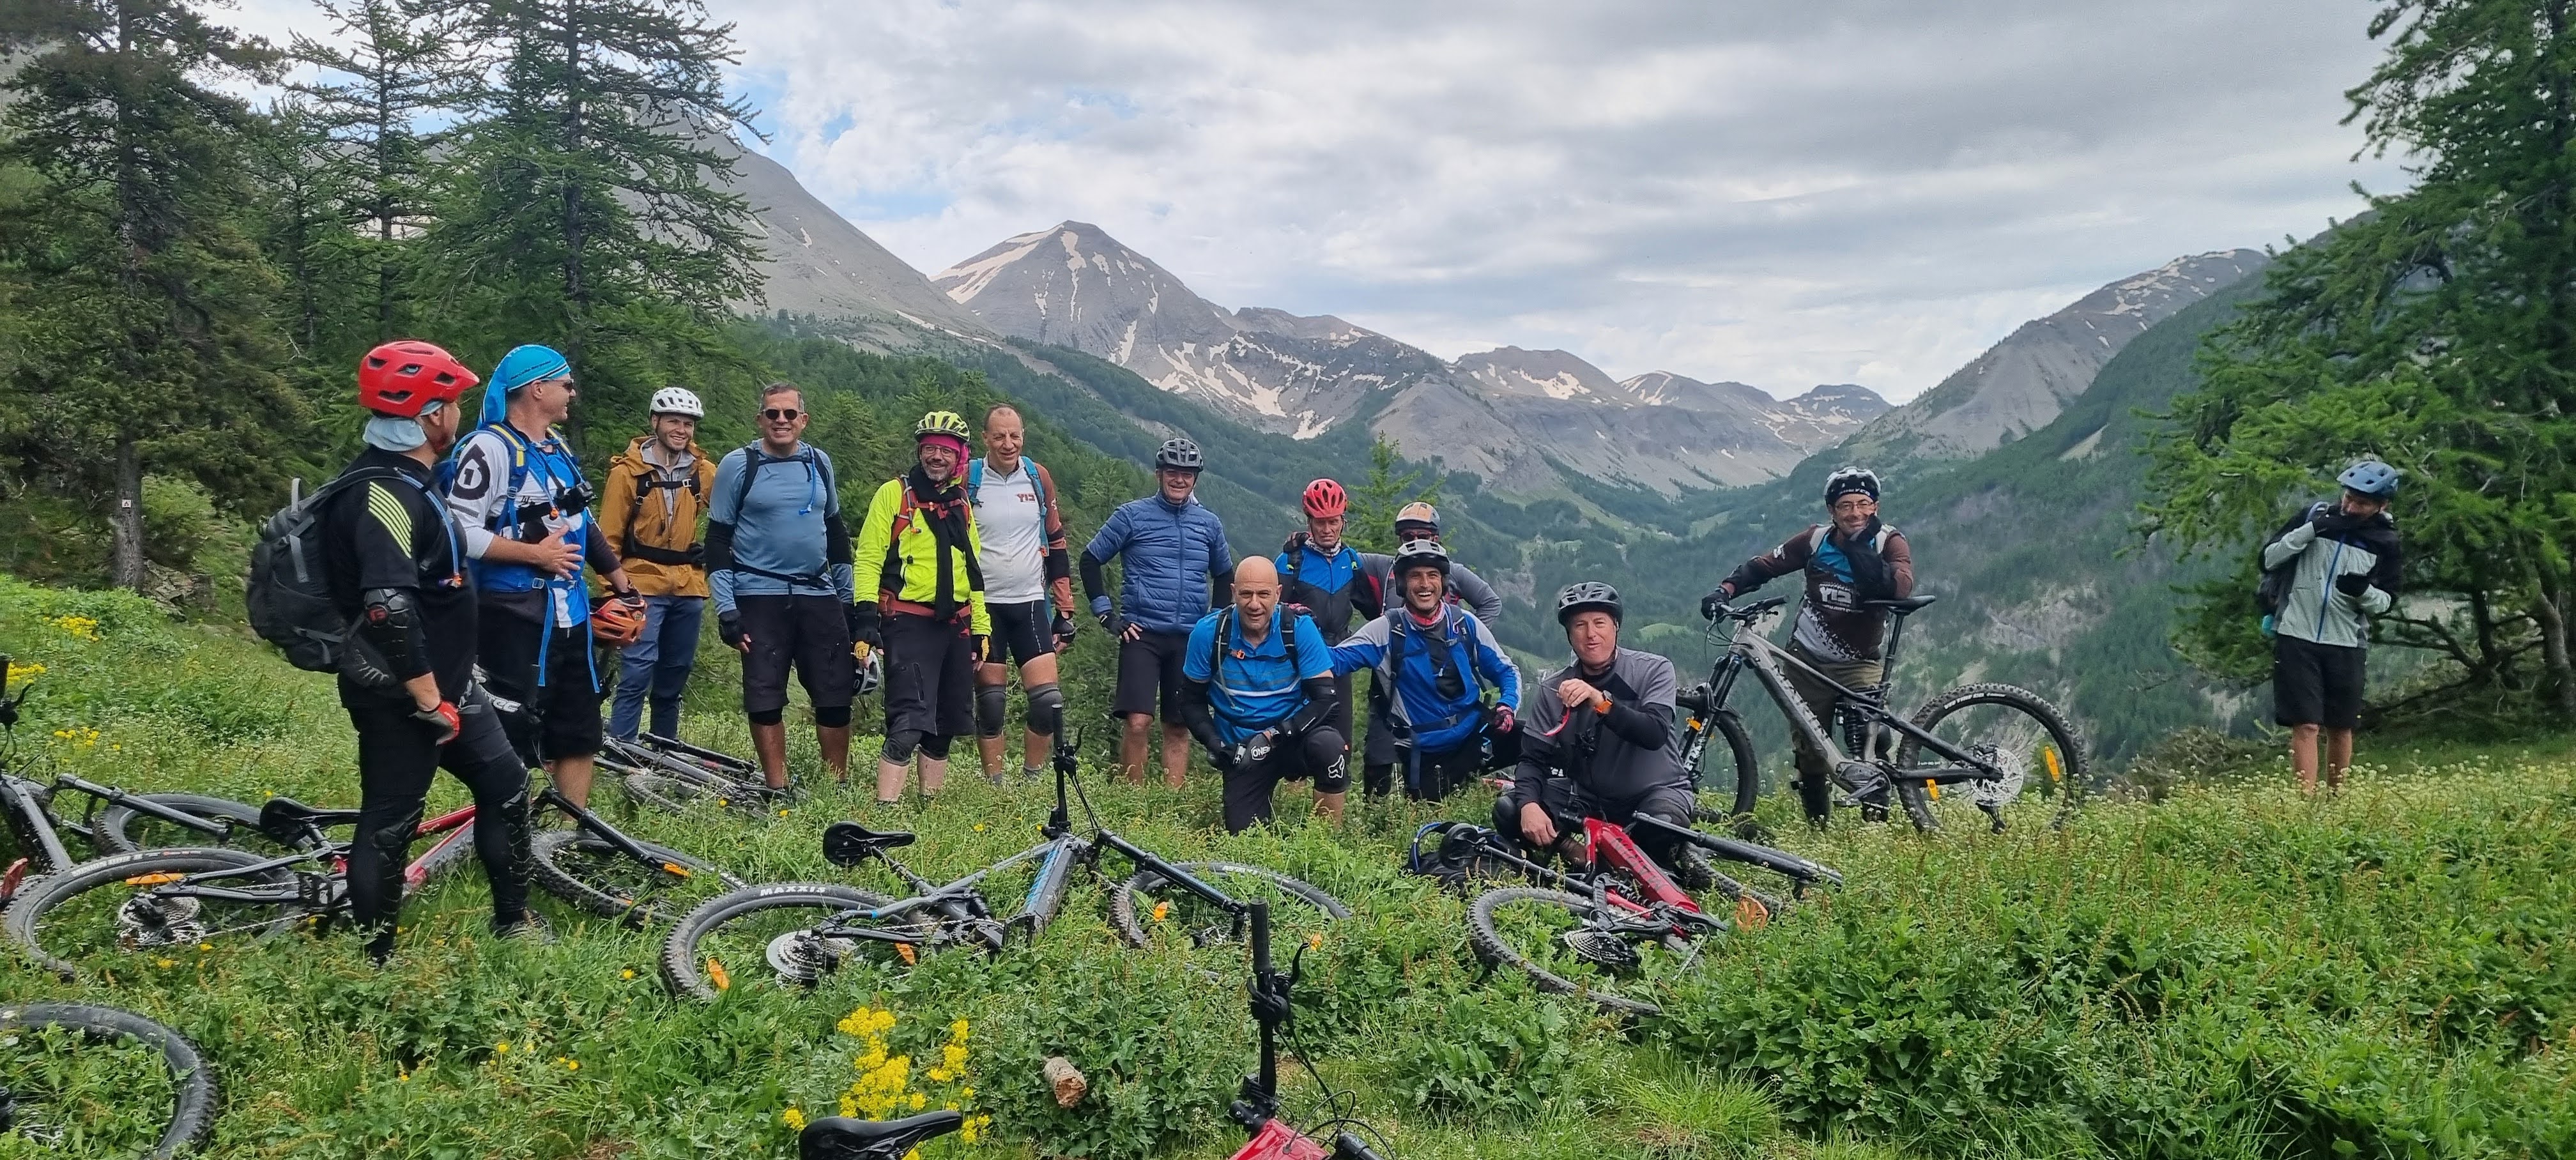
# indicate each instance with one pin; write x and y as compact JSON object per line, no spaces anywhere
{"x":918,"y":553}
{"x":1253,"y":687}
{"x":1329,"y":587}
{"x":1436,"y":698}
{"x":510,"y":487}
{"x":1620,"y":755}
{"x":1025,"y":558}
{"x":388,"y":533}
{"x":782,"y":535}
{"x":1841,"y":573}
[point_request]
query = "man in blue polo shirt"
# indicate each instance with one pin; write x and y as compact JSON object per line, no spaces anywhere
{"x":1257,"y":690}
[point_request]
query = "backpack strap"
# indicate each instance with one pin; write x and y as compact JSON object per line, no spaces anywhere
{"x":645,"y":484}
{"x":975,"y":481}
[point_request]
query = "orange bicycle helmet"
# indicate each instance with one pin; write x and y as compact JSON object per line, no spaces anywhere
{"x":617,"y":623}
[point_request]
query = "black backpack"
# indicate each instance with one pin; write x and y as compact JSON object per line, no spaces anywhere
{"x":289,"y":595}
{"x":2275,"y":584}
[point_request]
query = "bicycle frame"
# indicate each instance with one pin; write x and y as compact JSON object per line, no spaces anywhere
{"x":1748,"y":649}
{"x":326,"y":888}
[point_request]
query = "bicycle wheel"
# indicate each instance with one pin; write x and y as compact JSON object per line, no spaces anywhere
{"x":122,"y":829}
{"x":1149,"y":910}
{"x":585,"y":870}
{"x":1554,"y":937}
{"x":764,"y":936}
{"x":1727,"y":771}
{"x":96,"y":1081}
{"x":2040,"y":755}
{"x":677,"y":795}
{"x":104,"y":914}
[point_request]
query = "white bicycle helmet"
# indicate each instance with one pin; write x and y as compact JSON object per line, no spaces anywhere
{"x":678,"y":401}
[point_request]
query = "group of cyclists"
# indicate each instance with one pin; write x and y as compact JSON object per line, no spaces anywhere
{"x":475,"y":552}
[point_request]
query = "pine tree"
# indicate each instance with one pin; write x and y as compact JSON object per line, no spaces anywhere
{"x":143,"y":340}
{"x":1372,"y":506}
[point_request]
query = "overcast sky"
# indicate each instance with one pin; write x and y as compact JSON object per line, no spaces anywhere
{"x":1778,"y":193}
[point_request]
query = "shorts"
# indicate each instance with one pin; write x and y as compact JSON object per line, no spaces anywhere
{"x":1320,"y":754}
{"x":810,"y":632}
{"x":2316,"y":684}
{"x":930,"y":677}
{"x":558,"y":716}
{"x":1022,"y":632}
{"x":1146,"y":664}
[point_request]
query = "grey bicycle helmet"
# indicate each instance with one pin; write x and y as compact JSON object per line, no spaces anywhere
{"x":1846,"y":480}
{"x":1588,"y":594}
{"x":2370,"y":477}
{"x":1417,"y":553}
{"x":1178,"y":454}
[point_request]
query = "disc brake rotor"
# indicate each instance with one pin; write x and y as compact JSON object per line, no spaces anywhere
{"x":148,"y":921}
{"x":803,"y":958}
{"x":2015,"y":768}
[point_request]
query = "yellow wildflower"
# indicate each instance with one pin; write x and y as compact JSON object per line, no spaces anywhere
{"x":794,"y":1119}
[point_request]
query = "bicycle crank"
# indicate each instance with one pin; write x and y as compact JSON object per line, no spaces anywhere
{"x":146,"y":921}
{"x":803,"y":957}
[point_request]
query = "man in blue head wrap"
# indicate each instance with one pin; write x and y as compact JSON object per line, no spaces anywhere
{"x":523,"y":507}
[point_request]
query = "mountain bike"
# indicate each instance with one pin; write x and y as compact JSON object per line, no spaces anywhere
{"x":1990,"y":744}
{"x":158,"y":902}
{"x":100,"y":1081}
{"x":1256,"y":1104}
{"x":673,"y":775}
{"x":801,"y":932}
{"x":1618,"y":927}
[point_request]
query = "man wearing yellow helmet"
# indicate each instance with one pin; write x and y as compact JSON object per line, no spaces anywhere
{"x":921,"y":591}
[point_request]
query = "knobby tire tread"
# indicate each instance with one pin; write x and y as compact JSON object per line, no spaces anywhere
{"x":192,"y":1113}
{"x":1493,"y":948}
{"x":550,"y":845}
{"x":43,"y":894}
{"x":1128,"y":920}
{"x":1918,"y":803}
{"x":114,"y":821}
{"x":680,"y":948}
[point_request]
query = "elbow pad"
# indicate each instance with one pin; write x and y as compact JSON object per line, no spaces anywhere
{"x":836,"y":540}
{"x":389,"y":621}
{"x":719,"y":547}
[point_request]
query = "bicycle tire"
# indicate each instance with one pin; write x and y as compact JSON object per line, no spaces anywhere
{"x":119,"y":825}
{"x":684,"y":968}
{"x":47,"y":894}
{"x":2068,"y":783}
{"x":192,"y":1112}
{"x":678,"y":795}
{"x":1747,"y":791}
{"x":560,"y":860}
{"x":1495,"y":948}
{"x":1135,"y":899}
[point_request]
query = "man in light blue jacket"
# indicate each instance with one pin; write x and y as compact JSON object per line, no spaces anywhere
{"x":2336,"y":567}
{"x":1174,"y":567}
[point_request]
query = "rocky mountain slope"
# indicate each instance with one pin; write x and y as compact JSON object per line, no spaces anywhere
{"x":1515,"y":418}
{"x":2021,"y":383}
{"x":816,"y":262}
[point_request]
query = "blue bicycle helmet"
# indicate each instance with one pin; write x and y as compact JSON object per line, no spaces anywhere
{"x":2370,"y":477}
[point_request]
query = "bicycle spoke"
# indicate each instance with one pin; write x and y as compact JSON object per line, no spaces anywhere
{"x":795,"y":946}
{"x":2037,"y":757}
{"x":1621,"y":961}
{"x":1166,"y":916}
{"x":97,"y":927}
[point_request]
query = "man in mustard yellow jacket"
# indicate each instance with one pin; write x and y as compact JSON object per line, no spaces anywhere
{"x":920,"y":597}
{"x":656,"y":492}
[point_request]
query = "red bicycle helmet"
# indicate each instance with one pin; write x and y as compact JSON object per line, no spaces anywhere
{"x":1324,"y":499}
{"x":403,"y":377}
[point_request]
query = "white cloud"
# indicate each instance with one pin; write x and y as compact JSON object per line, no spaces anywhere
{"x":1778,"y":194}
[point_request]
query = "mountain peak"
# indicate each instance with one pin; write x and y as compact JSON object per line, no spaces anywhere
{"x":1550,"y":374}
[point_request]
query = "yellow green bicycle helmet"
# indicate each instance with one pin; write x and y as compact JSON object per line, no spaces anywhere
{"x":947,"y":423}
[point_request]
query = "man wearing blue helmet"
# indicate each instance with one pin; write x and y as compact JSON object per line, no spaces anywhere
{"x":2324,"y":576}
{"x":523,"y":509}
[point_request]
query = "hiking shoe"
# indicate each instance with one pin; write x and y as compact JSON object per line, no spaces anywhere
{"x":531,"y":927}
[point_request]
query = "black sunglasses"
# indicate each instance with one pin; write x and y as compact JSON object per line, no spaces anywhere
{"x":780,"y":414}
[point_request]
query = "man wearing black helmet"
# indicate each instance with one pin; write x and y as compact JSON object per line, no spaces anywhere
{"x":1847,"y":562}
{"x":1175,"y":566}
{"x":2336,"y":567}
{"x":1600,"y":741}
{"x":1436,"y":660}
{"x":1380,"y":591}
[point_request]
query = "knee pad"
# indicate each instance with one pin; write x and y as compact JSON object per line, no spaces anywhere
{"x":1046,"y":708}
{"x":935,"y":748}
{"x":768,"y":716}
{"x":833,"y":718}
{"x":992,"y":702}
{"x":900,"y":743}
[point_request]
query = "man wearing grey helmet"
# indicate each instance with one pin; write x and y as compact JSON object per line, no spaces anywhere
{"x":1175,"y":566}
{"x":2325,"y":575}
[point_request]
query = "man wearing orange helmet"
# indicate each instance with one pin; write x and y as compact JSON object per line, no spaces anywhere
{"x":396,"y":568}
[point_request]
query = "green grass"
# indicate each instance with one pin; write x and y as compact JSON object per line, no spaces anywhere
{"x":2232,"y":971}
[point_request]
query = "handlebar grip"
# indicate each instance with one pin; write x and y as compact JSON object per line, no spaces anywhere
{"x":1348,"y":1147}
{"x":1260,"y":914}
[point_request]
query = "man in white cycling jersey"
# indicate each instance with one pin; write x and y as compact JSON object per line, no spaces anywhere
{"x":1028,"y":588}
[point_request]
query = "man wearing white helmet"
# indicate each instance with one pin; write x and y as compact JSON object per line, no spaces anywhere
{"x":656,"y":492}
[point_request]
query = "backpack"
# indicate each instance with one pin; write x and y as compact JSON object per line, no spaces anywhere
{"x":753,"y":459}
{"x":2274,"y":587}
{"x":647,"y":482}
{"x":1037,"y":479}
{"x":1457,"y":858}
{"x":1285,"y":625}
{"x":288,"y":595}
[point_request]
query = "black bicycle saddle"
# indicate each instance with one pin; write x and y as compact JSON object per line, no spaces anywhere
{"x":849,"y":843}
{"x":843,"y":1138}
{"x":1901,"y":607}
{"x":284,"y":815}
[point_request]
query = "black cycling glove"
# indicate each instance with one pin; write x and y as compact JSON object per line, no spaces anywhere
{"x":864,"y":623}
{"x":2353,"y":583}
{"x":729,"y":629}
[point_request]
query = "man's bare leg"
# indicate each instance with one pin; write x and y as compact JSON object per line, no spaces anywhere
{"x":2338,"y":756}
{"x":769,"y":744}
{"x":835,"y":743}
{"x":1131,"y":747}
{"x":2303,"y":756}
{"x":890,"y":779}
{"x":1176,"y":755}
{"x":934,"y":775}
{"x":1329,"y":806}
{"x":572,"y":774}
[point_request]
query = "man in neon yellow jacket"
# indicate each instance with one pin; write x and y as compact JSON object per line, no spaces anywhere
{"x":921,"y":598}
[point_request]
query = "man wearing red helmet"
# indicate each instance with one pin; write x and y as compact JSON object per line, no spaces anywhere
{"x":1326,"y":577}
{"x":396,"y":567}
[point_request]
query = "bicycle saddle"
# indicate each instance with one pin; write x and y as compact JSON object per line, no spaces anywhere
{"x":849,"y":843}
{"x":284,"y":815}
{"x":843,"y":1138}
{"x":1901,"y":607}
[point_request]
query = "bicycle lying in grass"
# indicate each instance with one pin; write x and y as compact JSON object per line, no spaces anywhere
{"x":801,"y":932}
{"x":156,"y":902}
{"x":673,"y":775}
{"x":99,"y":1081}
{"x":1988,"y":745}
{"x":1617,"y":926}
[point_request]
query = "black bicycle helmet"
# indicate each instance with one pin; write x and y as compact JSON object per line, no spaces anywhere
{"x":1180,"y":454}
{"x":1416,"y":553}
{"x":1588,"y":594}
{"x":1846,"y":480}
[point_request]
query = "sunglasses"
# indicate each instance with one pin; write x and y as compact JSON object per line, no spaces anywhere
{"x":780,"y":414}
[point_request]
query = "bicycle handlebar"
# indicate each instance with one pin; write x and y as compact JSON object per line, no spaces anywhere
{"x":1747,"y":613}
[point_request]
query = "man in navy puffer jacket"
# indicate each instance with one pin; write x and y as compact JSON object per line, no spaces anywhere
{"x":1174,"y":567}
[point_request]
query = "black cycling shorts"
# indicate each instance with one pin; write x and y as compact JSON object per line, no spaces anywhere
{"x":1146,"y":665}
{"x":558,"y":716}
{"x":930,"y":677}
{"x":1319,"y":754}
{"x":810,"y":632}
{"x":1022,"y":632}
{"x":2316,"y":684}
